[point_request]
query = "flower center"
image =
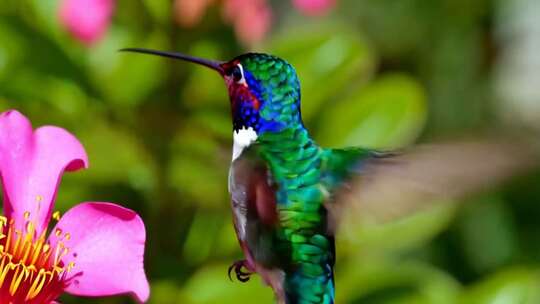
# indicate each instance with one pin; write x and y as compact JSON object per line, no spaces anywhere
{"x":31,"y":271}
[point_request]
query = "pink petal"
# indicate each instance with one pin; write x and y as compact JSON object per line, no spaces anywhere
{"x":31,"y":165}
{"x":251,"y":19}
{"x":232,"y":8}
{"x":314,"y":7}
{"x":87,"y":20}
{"x":106,"y":243}
{"x":188,"y":13}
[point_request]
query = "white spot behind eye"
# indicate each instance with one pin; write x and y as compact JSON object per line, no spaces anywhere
{"x":243,"y":79}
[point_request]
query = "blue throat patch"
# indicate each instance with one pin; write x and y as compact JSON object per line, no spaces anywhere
{"x":246,"y":115}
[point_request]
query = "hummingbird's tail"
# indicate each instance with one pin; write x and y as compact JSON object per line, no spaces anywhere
{"x":307,"y":285}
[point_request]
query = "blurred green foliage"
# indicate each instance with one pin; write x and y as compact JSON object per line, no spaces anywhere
{"x":374,"y":73}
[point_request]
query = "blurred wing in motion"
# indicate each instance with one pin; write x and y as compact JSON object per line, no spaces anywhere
{"x":389,"y":186}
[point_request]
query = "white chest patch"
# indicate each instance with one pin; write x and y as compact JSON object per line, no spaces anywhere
{"x":241,"y":140}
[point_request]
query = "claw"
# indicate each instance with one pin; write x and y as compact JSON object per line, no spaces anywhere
{"x":229,"y":271}
{"x":241,"y":275}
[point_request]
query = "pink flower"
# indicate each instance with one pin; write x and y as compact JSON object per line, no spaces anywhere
{"x":189,"y":12}
{"x":314,"y":7}
{"x":95,"y":249}
{"x":87,"y":20}
{"x":251,"y":19}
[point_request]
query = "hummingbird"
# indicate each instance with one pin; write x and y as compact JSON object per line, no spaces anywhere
{"x":284,"y":187}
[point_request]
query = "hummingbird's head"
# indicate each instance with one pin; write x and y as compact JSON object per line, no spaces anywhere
{"x":264,"y":90}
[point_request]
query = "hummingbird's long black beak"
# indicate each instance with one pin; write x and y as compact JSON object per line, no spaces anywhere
{"x":214,"y":65}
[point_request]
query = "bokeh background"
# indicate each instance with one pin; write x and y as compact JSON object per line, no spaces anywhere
{"x":381,"y":74}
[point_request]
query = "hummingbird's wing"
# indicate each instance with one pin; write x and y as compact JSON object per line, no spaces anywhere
{"x":384,"y":186}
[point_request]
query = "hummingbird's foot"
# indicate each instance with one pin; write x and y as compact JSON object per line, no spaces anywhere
{"x":242,"y":276}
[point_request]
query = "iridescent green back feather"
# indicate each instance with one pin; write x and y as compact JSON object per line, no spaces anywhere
{"x":305,"y":175}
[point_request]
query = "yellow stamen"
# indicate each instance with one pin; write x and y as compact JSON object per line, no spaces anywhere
{"x":16,"y":281}
{"x":56,"y":216}
{"x":8,"y":241}
{"x":71,"y":265}
{"x":17,"y":242}
{"x":29,"y":266}
{"x":4,"y":271}
{"x":38,"y":283}
{"x":29,"y":246}
{"x":37,"y":251}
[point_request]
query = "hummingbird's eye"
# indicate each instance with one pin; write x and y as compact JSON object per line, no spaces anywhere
{"x":238,"y":74}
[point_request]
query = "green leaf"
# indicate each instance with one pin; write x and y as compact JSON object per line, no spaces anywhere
{"x":488,"y":234}
{"x":511,"y":286}
{"x":218,"y":234}
{"x":327,"y":58}
{"x":198,"y":169}
{"x":405,"y":233}
{"x":211,"y":285}
{"x":126,"y":158}
{"x":204,"y":87}
{"x":11,"y":49}
{"x":160,"y":10}
{"x":382,"y":279}
{"x":42,"y":11}
{"x":165,"y":291}
{"x":126,"y":79}
{"x":390,"y":112}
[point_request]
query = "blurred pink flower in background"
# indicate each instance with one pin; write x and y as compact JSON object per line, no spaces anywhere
{"x":314,"y":7}
{"x":87,"y":20}
{"x":95,"y":249}
{"x":189,"y":12}
{"x":251,"y":19}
